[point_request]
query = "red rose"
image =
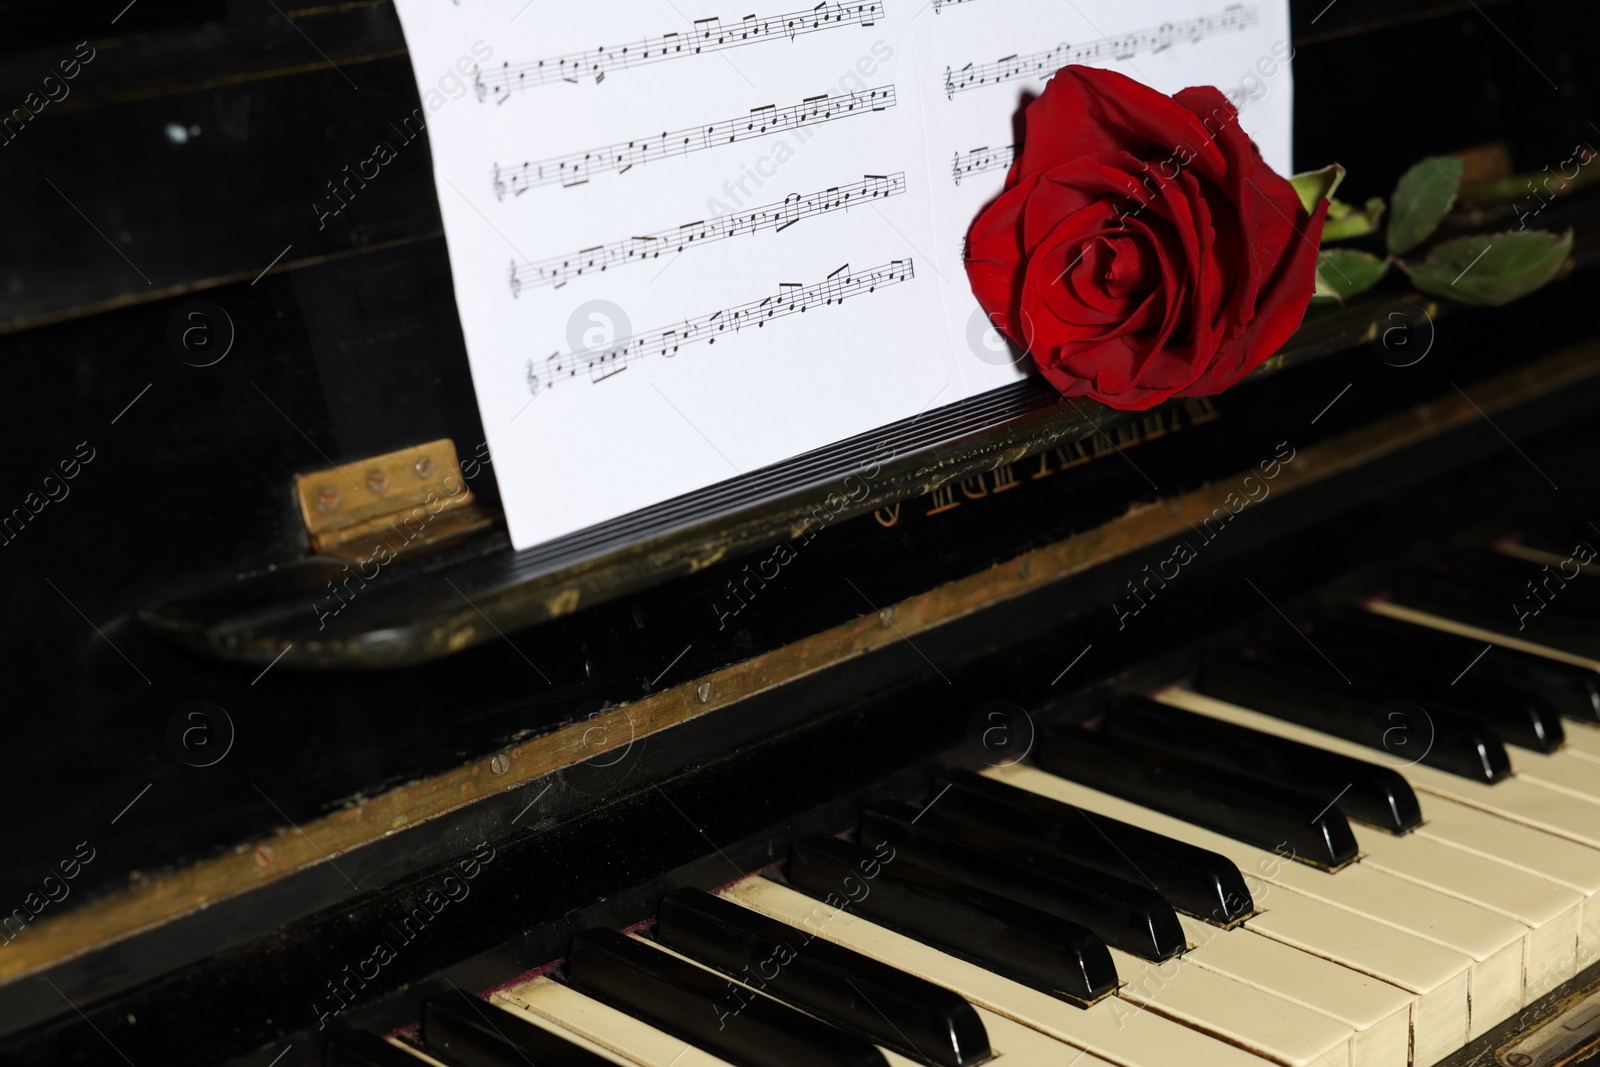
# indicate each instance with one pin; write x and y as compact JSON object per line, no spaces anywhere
{"x":1142,"y":249}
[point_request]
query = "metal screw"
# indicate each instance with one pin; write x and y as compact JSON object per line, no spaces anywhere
{"x":703,"y":691}
{"x":327,"y":499}
{"x":886,"y":617}
{"x":500,"y":764}
{"x":1519,"y":1059}
{"x":424,"y":467}
{"x":377,"y":481}
{"x":264,"y":857}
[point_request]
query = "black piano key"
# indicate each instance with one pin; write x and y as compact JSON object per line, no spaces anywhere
{"x":357,"y":1048}
{"x":1367,"y":792}
{"x":1523,"y":719}
{"x":854,"y":992}
{"x":1035,"y":948}
{"x":1501,"y":608}
{"x":1572,"y":689}
{"x":476,"y":1033}
{"x":1259,"y":813}
{"x":1193,"y":880}
{"x":1131,"y":917}
{"x":707,"y":1010}
{"x":1528,"y":580}
{"x":1320,"y":701}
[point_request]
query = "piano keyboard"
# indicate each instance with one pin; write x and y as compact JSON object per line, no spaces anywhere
{"x":1276,"y":862}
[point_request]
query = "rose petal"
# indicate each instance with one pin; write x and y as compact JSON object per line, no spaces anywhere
{"x":1286,"y":294}
{"x":1085,"y":111}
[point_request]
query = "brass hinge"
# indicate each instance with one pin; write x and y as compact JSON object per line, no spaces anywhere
{"x":409,"y":500}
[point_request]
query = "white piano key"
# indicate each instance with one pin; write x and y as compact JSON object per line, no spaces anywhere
{"x":1583,"y":738}
{"x":1552,"y":913}
{"x":416,"y":1053}
{"x":1515,"y":798}
{"x":599,"y":1026}
{"x":1022,"y":1046}
{"x":1488,"y":637}
{"x":1439,"y":977}
{"x":1112,"y":1029}
{"x":1378,"y":1014}
{"x":1570,"y":772}
{"x":1554,"y":859}
{"x":1497,"y":945}
{"x":1237,"y":1011}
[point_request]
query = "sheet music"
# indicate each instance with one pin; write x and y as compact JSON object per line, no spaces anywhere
{"x":690,"y":241}
{"x":685,"y":245}
{"x":983,"y":59}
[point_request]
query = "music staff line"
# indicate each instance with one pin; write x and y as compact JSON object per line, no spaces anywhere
{"x":792,"y":298}
{"x":1123,"y":46}
{"x":707,"y":35}
{"x":977,"y":160}
{"x":557,"y":271}
{"x":579,"y":167}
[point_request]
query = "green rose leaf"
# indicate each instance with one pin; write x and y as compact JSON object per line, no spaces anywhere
{"x":1346,"y":221}
{"x":1316,"y":185}
{"x":1491,"y":269}
{"x":1422,"y":197}
{"x":1346,"y":272}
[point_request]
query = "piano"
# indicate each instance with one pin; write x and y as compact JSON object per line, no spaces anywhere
{"x":1253,"y":729}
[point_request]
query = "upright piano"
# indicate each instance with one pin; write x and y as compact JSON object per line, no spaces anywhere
{"x":1256,"y":728}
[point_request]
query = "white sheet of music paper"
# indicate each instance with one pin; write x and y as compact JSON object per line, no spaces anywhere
{"x":690,"y":243}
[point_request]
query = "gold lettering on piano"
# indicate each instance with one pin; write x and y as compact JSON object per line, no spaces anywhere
{"x":944,"y":499}
{"x":1147,"y":427}
{"x":887,"y":516}
{"x":1200,"y":410}
{"x":1074,"y":453}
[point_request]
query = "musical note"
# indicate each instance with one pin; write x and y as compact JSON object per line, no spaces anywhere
{"x":579,"y":167}
{"x":708,"y":35}
{"x":557,"y":271}
{"x":977,"y":160}
{"x":1121,"y":47}
{"x":937,"y":4}
{"x":792,"y":298}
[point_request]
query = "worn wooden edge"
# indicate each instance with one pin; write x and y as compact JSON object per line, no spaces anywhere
{"x":689,"y":550}
{"x":174,"y":894}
